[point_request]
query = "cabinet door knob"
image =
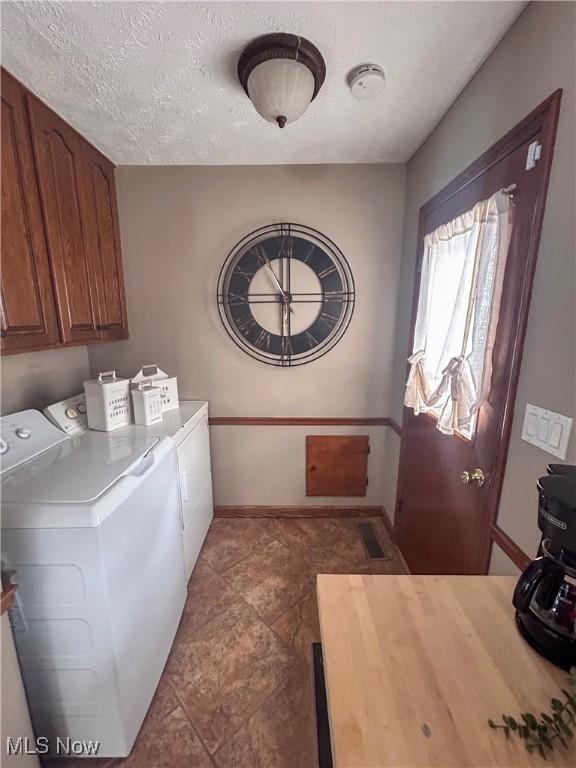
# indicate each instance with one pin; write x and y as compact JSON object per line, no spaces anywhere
{"x":101,"y":327}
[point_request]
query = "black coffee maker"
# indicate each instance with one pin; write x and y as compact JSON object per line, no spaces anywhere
{"x":545,"y":596}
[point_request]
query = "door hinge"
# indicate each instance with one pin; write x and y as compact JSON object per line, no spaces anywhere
{"x":398,"y":507}
{"x":366,"y":481}
{"x":534,"y":152}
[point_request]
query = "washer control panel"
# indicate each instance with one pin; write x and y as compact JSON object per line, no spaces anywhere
{"x":24,"y":435}
{"x":69,"y":415}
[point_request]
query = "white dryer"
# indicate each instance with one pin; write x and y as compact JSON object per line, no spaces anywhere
{"x":187,"y":425}
{"x":91,"y":528}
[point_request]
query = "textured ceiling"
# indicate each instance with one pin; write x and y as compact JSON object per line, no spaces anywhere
{"x":154,"y":83}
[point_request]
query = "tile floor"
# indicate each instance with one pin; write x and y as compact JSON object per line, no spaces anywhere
{"x":237,"y":688}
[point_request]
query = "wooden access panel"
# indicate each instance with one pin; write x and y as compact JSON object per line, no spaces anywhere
{"x":337,"y":465}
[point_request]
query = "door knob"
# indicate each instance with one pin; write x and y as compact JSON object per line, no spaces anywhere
{"x":476,"y":477}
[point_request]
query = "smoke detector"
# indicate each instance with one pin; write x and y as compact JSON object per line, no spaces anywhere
{"x":367,"y":82}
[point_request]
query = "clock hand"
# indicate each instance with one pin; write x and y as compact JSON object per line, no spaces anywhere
{"x":271,"y":268}
{"x":284,"y":319}
{"x":263,"y":254}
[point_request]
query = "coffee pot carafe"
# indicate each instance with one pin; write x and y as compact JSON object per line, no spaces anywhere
{"x":545,"y":596}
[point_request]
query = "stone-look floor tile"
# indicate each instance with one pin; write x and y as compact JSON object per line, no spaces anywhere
{"x":280,"y":734}
{"x":208,"y":596}
{"x":347,"y":554}
{"x":272,"y":579}
{"x":231,"y":540}
{"x":303,"y":534}
{"x":77,"y":762}
{"x":170,"y":742}
{"x":300,"y":626}
{"x":226,"y":669}
{"x":164,"y":701}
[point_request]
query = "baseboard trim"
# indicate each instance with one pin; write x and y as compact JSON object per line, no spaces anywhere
{"x":302,"y":511}
{"x":510,"y":548}
{"x":387,"y":523}
{"x":297,"y":421}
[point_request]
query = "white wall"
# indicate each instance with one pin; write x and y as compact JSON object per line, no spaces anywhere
{"x":14,"y":715}
{"x":177,"y":226}
{"x":36,"y":379}
{"x":535,"y":57}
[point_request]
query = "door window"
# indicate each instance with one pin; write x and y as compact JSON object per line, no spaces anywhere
{"x":460,"y":287}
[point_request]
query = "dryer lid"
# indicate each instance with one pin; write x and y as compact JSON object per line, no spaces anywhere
{"x":76,"y":471}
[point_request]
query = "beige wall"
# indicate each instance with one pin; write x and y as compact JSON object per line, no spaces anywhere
{"x":534,"y":58}
{"x":36,"y":379}
{"x":178,"y":224}
{"x":500,"y":563}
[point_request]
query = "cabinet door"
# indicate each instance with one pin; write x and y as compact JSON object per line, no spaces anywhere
{"x":57,"y":149}
{"x":28,"y":311}
{"x":100,"y":214}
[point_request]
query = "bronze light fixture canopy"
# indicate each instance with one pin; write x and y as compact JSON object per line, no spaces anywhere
{"x":282,"y":74}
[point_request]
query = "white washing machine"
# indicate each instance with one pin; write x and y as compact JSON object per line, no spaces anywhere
{"x":91,"y":528}
{"x":187,"y":425}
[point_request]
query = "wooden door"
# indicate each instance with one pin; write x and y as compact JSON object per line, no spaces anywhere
{"x":28,"y":310}
{"x":442,"y":524}
{"x":100,"y":214}
{"x":57,"y":149}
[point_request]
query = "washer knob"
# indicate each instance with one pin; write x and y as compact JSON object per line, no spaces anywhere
{"x":81,"y":408}
{"x":23,"y":433}
{"x":71,"y":413}
{"x":3,"y":446}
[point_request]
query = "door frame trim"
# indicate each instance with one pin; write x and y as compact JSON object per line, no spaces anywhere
{"x":543,"y":118}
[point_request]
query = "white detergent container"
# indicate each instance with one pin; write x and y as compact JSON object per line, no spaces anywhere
{"x":107,"y":402}
{"x":147,"y":404}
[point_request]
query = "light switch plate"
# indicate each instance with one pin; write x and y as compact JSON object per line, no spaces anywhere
{"x":547,"y":430}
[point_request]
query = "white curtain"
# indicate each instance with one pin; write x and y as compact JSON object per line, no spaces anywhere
{"x":460,"y":288}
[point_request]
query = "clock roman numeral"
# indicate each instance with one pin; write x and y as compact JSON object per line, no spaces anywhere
{"x":327,"y":271}
{"x":245,"y":323}
{"x":328,"y":320}
{"x":236,"y":298}
{"x":246,"y":275}
{"x":287,"y":346}
{"x":310,"y":252}
{"x":261,"y":255}
{"x":312,"y":340}
{"x":263,"y":340}
{"x":285,"y":247}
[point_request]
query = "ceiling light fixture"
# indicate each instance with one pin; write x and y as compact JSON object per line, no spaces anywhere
{"x":281,"y":74}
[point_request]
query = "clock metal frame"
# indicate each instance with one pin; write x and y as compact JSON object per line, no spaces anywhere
{"x":335,"y":299}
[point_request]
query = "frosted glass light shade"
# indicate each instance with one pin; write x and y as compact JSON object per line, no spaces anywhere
{"x":281,"y":88}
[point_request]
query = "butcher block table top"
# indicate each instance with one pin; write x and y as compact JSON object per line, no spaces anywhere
{"x":416,"y":665}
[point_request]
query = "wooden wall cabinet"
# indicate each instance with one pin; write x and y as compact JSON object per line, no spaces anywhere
{"x":61,"y":274}
{"x":28,"y":311}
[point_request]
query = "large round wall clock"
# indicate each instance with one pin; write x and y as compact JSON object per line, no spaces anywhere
{"x":286,"y":294}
